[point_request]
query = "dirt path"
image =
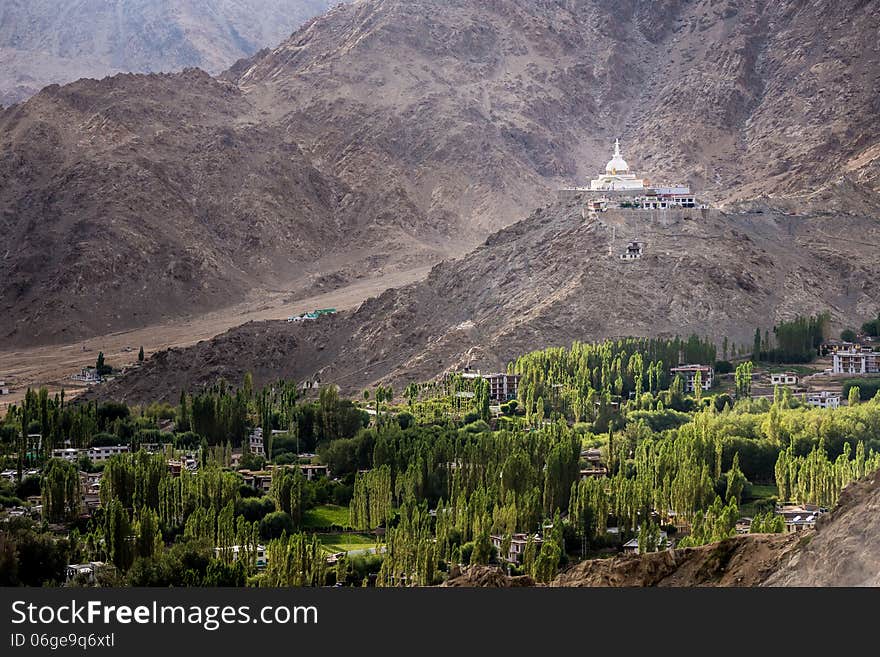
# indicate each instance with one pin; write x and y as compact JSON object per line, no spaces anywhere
{"x":52,"y":366}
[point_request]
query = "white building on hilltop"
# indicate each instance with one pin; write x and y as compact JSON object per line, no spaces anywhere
{"x":619,"y":187}
{"x":617,"y":176}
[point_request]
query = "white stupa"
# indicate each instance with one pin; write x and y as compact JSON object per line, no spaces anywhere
{"x":617,"y":176}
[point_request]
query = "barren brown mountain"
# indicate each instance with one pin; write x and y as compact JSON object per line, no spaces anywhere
{"x":46,"y":42}
{"x":411,"y":130}
{"x":557,"y":277}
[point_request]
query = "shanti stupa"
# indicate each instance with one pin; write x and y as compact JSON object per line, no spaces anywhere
{"x":617,"y":176}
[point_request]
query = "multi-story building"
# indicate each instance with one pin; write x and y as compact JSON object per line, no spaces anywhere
{"x":855,"y":359}
{"x":502,"y":387}
{"x":101,"y":454}
{"x":255,"y":443}
{"x":688,"y":374}
{"x":823,"y":399}
{"x":518,"y":544}
{"x":95,"y":454}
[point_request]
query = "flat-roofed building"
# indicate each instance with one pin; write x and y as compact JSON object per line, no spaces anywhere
{"x":855,"y":359}
{"x":783,"y":379}
{"x":688,"y":374}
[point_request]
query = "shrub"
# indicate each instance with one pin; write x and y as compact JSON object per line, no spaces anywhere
{"x":723,"y":367}
{"x":275,"y":524}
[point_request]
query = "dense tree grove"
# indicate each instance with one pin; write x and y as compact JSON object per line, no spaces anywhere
{"x":586,"y":382}
{"x":61,"y":491}
{"x":796,"y":341}
{"x":445,"y":476}
{"x":816,"y":479}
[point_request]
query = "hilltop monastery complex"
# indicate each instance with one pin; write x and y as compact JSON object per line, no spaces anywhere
{"x":619,"y":187}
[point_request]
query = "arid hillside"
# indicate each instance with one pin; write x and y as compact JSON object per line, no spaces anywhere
{"x":124,"y":201}
{"x":46,"y":42}
{"x":388,"y":132}
{"x":844,"y":549}
{"x":555,"y":278}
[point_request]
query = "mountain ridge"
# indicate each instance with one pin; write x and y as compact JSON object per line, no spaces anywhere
{"x":433,"y":125}
{"x":44,"y":42}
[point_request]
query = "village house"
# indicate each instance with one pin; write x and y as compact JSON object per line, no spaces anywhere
{"x":261,"y":560}
{"x":87,"y":375}
{"x":86,"y":571}
{"x":255,"y":442}
{"x":90,"y":485}
{"x":823,"y":399}
{"x":799,"y":517}
{"x":261,"y":479}
{"x":783,"y":379}
{"x":633,"y":251}
{"x":632,"y":545}
{"x":517,"y":546}
{"x":744,"y":525}
{"x":688,"y":374}
{"x":314,"y":471}
{"x":176,"y":466}
{"x":594,"y":467}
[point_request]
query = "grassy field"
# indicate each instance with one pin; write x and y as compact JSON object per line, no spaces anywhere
{"x":346,"y":542}
{"x":328,"y":515}
{"x":753,"y":497}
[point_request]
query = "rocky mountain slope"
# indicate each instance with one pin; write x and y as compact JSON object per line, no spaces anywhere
{"x":46,"y":42}
{"x":555,"y":278}
{"x":841,"y":551}
{"x":844,"y":549}
{"x":429,"y":125}
{"x":124,"y":201}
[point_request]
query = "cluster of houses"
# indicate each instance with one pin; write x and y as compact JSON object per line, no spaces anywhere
{"x":262,"y":479}
{"x":95,"y":454}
